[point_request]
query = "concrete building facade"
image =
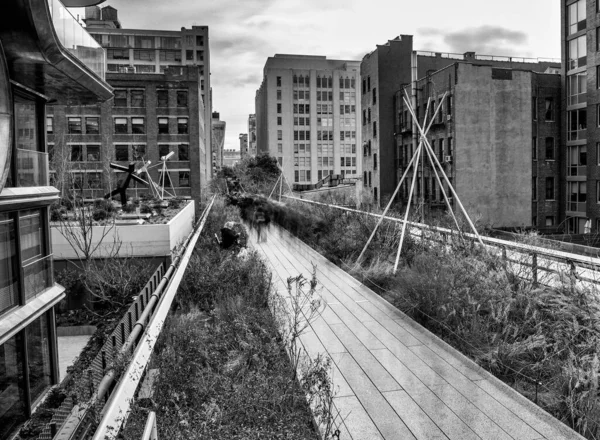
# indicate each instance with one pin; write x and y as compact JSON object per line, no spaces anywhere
{"x":307,"y":115}
{"x":37,"y":66}
{"x":495,"y":140}
{"x":218,"y":141}
{"x":384,"y":72}
{"x":243,"y":144}
{"x":252,"y":135}
{"x":162,"y":104}
{"x":231,"y":157}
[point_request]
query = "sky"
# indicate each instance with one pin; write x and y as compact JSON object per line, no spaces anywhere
{"x":244,"y":33}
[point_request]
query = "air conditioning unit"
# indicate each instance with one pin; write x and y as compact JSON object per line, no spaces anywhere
{"x":448,"y":118}
{"x":448,"y":159}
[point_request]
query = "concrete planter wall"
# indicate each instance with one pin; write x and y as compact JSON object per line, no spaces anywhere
{"x":136,"y":240}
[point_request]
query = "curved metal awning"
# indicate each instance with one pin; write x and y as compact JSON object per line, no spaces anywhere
{"x":81,"y":3}
{"x":39,"y":60}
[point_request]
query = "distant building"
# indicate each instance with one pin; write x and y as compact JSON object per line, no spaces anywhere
{"x":218,"y":140}
{"x":231,"y":157}
{"x":385,"y":71}
{"x":252,"y":135}
{"x":497,"y":137}
{"x":243,"y":144}
{"x":308,"y":116}
{"x":161,"y":105}
{"x":580,"y":115}
{"x":37,"y":65}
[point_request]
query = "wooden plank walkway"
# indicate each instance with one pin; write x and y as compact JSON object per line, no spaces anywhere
{"x":395,"y":380}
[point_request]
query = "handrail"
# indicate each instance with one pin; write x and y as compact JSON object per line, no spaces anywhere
{"x":117,"y":408}
{"x":590,"y":263}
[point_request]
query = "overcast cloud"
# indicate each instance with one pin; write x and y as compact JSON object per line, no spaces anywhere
{"x":244,"y":33}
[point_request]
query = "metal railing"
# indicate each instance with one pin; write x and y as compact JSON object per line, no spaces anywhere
{"x":541,"y":265}
{"x":150,"y":431}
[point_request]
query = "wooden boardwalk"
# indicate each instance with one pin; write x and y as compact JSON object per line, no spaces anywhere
{"x":395,"y":380}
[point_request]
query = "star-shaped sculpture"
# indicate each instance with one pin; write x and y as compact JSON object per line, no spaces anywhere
{"x":124,"y":184}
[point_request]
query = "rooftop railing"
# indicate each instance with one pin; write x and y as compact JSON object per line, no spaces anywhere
{"x":76,"y":39}
{"x":507,"y":59}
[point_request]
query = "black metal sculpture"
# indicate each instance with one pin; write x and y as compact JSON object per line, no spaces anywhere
{"x":124,"y":184}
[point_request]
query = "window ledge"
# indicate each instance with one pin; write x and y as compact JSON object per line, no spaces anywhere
{"x":19,"y":318}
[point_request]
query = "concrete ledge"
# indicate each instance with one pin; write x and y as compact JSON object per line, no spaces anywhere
{"x":75,"y":330}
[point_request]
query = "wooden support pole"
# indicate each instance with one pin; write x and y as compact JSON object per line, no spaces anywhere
{"x":412,"y":187}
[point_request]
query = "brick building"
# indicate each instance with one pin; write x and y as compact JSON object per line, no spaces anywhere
{"x":307,"y":115}
{"x":496,"y":135}
{"x":385,"y":71}
{"x":162,"y":104}
{"x":149,"y":117}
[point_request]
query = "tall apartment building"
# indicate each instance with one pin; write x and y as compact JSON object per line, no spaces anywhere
{"x":218,"y":140}
{"x":307,"y":115}
{"x":496,"y":136}
{"x":37,"y":64}
{"x":243,"y":144}
{"x":385,"y":71}
{"x":161,"y":105}
{"x":581,"y":114}
{"x":252,"y":135}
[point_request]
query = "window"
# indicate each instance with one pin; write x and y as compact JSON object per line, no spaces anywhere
{"x":76,"y":153}
{"x":549,"y":188}
{"x":549,"y":114}
{"x":74,"y":125}
{"x":375,"y":161}
{"x":122,"y":153}
{"x":577,"y":88}
{"x":163,"y":150}
{"x":163,"y":125}
{"x":279,"y":121}
{"x":9,"y":267}
{"x":374,"y":128}
{"x":280,"y":135}
{"x":182,"y":98}
{"x":550,"y":220}
{"x":93,"y":153}
{"x":278,"y":95}
{"x":576,"y":124}
{"x":576,"y":196}
{"x":120,"y":99}
{"x":162,"y":98}
{"x":138,"y":152}
{"x":368,"y":83}
{"x":279,"y":107}
{"x":200,"y":55}
{"x":534,"y":110}
{"x":577,"y":53}
{"x":534,"y":148}
{"x":138,"y":126}
{"x":92,"y":125}
{"x":49,"y":125}
{"x":189,"y":55}
{"x":184,"y":152}
{"x":534,"y":188}
{"x":117,"y":54}
{"x":184,"y":179}
{"x":374,"y":96}
{"x":549,"y":148}
{"x":137,"y":98}
{"x":182,"y":125}
{"x":278,"y":81}
{"x":280,"y":148}
{"x":576,"y":14}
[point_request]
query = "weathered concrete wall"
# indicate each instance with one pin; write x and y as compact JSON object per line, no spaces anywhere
{"x":493,"y":145}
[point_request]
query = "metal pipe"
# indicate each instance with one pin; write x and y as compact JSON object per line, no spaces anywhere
{"x":150,"y":431}
{"x":139,"y":326}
